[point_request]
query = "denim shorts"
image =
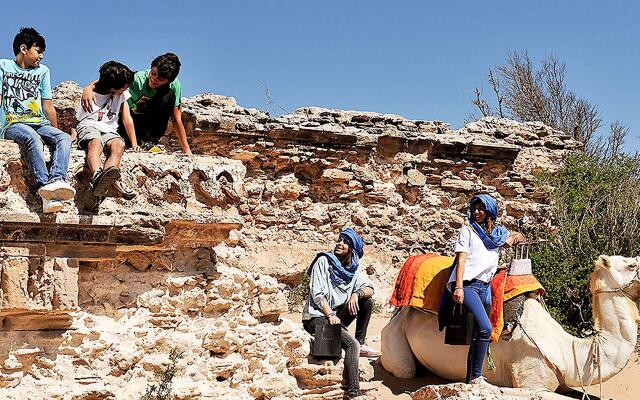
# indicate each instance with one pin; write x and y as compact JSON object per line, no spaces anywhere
{"x":87,"y":133}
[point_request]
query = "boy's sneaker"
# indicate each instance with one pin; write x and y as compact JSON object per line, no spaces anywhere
{"x":94,"y":178}
{"x":58,"y":190}
{"x":369,"y":352}
{"x":125,"y":192}
{"x":104,"y":179}
{"x":51,"y":206}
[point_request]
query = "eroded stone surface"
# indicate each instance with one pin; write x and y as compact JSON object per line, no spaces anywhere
{"x":403,"y":184}
{"x":461,"y":391}
{"x":216,"y":323}
{"x":167,"y":188}
{"x":37,"y":293}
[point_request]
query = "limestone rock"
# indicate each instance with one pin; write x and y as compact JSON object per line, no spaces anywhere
{"x":38,"y":292}
{"x":462,"y":391}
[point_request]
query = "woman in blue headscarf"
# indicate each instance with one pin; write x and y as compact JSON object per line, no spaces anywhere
{"x":477,"y":252}
{"x":338,"y":294}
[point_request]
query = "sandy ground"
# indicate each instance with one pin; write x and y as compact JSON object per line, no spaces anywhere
{"x":624,"y":386}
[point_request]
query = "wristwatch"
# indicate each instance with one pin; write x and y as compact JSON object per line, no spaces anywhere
{"x":360,"y":293}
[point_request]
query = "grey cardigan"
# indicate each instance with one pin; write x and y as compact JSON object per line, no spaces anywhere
{"x":323,"y":290}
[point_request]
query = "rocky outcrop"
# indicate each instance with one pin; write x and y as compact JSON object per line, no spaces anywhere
{"x":185,"y":268}
{"x":177,"y":208}
{"x":461,"y":391}
{"x":284,"y":186}
{"x":404,"y":184}
{"x":218,"y":325}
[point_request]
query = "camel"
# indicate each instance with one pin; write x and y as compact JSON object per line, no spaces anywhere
{"x":540,"y":354}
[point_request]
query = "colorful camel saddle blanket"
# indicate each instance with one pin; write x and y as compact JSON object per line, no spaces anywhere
{"x":423,"y":278}
{"x":504,"y":288}
{"x":421,"y":282}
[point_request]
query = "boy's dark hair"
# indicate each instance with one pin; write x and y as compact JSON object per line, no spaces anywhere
{"x":167,"y":66}
{"x":28,"y":37}
{"x":113,"y":75}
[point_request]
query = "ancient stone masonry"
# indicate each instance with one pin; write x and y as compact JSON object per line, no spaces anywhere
{"x":195,"y":254}
{"x":217,"y":322}
{"x":172,"y":196}
{"x":403,"y":184}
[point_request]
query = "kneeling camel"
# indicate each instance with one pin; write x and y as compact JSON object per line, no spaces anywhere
{"x":540,"y":355}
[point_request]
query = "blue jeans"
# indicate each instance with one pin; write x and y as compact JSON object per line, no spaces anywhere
{"x":31,"y":139}
{"x":477,"y":294}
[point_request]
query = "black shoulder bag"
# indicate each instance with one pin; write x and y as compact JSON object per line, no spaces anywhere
{"x":459,"y":327}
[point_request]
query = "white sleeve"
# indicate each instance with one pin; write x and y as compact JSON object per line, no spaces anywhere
{"x":462,"y":244}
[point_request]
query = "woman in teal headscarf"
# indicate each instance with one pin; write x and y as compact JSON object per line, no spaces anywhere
{"x":477,"y":252}
{"x":338,"y":294}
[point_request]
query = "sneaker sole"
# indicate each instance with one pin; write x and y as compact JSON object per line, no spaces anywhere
{"x":53,"y":209}
{"x":58,"y":194}
{"x":105,"y":181}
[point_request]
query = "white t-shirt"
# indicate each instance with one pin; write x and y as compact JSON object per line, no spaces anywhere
{"x":481,"y":262}
{"x":104,"y":115}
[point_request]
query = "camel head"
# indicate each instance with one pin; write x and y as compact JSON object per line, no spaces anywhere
{"x":617,"y":274}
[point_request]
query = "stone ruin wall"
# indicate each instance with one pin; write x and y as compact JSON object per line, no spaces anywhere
{"x":403,"y":184}
{"x":206,"y":235}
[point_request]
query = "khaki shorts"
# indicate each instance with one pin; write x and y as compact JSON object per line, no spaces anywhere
{"x":88,"y":133}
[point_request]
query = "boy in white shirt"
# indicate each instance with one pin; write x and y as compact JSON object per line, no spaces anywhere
{"x":98,"y":128}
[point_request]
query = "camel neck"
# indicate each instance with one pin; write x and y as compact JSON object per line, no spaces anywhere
{"x":614,"y":342}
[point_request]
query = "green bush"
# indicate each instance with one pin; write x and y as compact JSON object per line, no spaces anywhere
{"x":596,"y":200}
{"x":162,"y":391}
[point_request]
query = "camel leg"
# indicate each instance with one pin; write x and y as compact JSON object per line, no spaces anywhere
{"x":397,"y":357}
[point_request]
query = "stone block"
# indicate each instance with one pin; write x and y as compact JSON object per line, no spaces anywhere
{"x":458,"y":185}
{"x":38,"y":293}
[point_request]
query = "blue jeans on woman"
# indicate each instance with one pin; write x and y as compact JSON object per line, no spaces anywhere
{"x":477,"y":295}
{"x":31,"y":139}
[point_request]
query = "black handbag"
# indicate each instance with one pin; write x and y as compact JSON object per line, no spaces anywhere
{"x":326,"y":342}
{"x":459,"y":327}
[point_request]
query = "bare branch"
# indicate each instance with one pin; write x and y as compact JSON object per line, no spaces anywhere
{"x":494,"y":80}
{"x":617,"y":135}
{"x":270,"y":102}
{"x":525,"y":92}
{"x":481,"y":104}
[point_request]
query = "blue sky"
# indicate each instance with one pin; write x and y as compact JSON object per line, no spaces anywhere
{"x":419,"y":59}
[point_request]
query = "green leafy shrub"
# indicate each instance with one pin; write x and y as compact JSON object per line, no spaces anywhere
{"x":162,"y":391}
{"x":596,"y":199}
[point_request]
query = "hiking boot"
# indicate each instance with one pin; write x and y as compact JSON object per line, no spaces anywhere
{"x":369,"y":352}
{"x":51,"y":206}
{"x":103,"y":180}
{"x":57,"y":190}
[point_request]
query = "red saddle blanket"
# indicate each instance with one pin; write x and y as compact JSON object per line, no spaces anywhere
{"x":505,"y":287}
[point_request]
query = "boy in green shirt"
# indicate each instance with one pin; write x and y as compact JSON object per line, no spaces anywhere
{"x":155,"y":97}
